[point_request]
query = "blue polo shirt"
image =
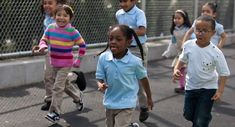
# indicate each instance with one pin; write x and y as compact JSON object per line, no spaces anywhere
{"x":134,"y":19}
{"x":47,"y":21}
{"x":121,"y":76}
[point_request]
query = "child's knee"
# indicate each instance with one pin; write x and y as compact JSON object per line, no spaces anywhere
{"x":188,"y":116}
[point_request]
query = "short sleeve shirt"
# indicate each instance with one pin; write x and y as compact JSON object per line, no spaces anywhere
{"x":121,"y":76}
{"x":134,"y":19}
{"x":204,"y":65}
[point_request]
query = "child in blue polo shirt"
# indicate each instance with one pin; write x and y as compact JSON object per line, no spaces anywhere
{"x":135,"y":18}
{"x":118,"y":72}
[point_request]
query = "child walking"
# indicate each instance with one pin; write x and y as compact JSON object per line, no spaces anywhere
{"x":135,"y":18}
{"x":219,"y":37}
{"x":207,"y":72}
{"x":48,"y":8}
{"x":180,"y":25}
{"x":59,"y":38}
{"x":117,"y":74}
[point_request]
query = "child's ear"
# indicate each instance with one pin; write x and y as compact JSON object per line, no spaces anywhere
{"x":129,"y":42}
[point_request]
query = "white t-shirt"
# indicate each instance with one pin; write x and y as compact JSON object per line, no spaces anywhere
{"x":204,"y":65}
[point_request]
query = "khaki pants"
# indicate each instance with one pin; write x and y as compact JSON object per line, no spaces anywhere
{"x":62,"y":85}
{"x":118,"y":117}
{"x":141,"y":93}
{"x":48,"y":78}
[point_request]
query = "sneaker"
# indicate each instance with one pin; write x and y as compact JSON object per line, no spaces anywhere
{"x":134,"y":125}
{"x":80,"y":104}
{"x":143,"y":114}
{"x":179,"y":90}
{"x":53,"y":117}
{"x":46,"y":106}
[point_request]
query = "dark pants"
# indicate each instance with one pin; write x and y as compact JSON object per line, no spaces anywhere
{"x":198,"y":106}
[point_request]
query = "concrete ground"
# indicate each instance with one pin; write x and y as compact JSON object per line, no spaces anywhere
{"x":20,"y":107}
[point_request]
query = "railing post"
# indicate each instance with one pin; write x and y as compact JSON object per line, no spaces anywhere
{"x":233,"y":15}
{"x":196,"y":8}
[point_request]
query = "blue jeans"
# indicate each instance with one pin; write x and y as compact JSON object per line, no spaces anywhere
{"x":198,"y":106}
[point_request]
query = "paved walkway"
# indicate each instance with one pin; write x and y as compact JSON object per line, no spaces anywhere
{"x":20,"y":107}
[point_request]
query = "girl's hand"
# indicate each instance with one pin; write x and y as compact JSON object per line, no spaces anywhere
{"x":176,"y":75}
{"x":42,"y":50}
{"x":150,"y":104}
{"x":77,"y":63}
{"x":102,"y":86}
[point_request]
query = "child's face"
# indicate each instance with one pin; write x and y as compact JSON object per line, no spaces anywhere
{"x":62,"y":18}
{"x":49,"y":6}
{"x":126,"y":4}
{"x":204,"y":32}
{"x":178,"y":19}
{"x":118,"y":43}
{"x":206,"y":10}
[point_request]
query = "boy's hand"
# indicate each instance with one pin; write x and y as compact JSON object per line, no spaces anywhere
{"x":217,"y":96}
{"x":176,"y":75}
{"x":102,"y":86}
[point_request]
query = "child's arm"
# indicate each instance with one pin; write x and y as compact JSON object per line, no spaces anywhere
{"x":220,"y":90}
{"x":81,"y":51}
{"x":141,"y":31}
{"x":187,"y":36}
{"x":222,"y":40}
{"x":177,"y":73}
{"x":101,"y":85}
{"x":145,"y":84}
{"x":43,"y":45}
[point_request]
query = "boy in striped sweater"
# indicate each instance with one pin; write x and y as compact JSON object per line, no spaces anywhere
{"x":59,"y":38}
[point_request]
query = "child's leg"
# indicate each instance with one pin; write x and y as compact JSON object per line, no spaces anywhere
{"x":190,"y":101}
{"x":58,"y":89}
{"x":110,"y":117}
{"x":123,"y":118}
{"x":48,"y":79}
{"x":72,"y":91}
{"x":118,"y":117}
{"x":202,"y":115}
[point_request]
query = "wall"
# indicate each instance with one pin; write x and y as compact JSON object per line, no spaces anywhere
{"x":29,"y":70}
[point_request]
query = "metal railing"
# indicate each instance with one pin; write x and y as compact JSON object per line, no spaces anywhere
{"x":21,"y":21}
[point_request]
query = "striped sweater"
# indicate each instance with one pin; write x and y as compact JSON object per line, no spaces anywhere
{"x":60,"y":42}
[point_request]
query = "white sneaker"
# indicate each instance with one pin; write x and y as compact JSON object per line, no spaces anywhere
{"x":134,"y":125}
{"x":53,"y":117}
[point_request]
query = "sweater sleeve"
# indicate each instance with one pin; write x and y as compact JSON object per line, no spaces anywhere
{"x":44,"y":40}
{"x":81,"y":43}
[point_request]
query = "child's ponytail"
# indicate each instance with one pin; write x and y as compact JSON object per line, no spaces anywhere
{"x":138,"y":43}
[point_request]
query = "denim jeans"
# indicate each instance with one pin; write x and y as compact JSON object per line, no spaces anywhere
{"x":198,"y":106}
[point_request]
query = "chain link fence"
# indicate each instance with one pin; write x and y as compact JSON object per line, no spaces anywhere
{"x":22,"y":22}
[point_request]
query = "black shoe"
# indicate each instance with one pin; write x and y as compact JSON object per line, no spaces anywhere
{"x":46,"y":106}
{"x":179,"y":90}
{"x":53,"y":117}
{"x":143,"y":114}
